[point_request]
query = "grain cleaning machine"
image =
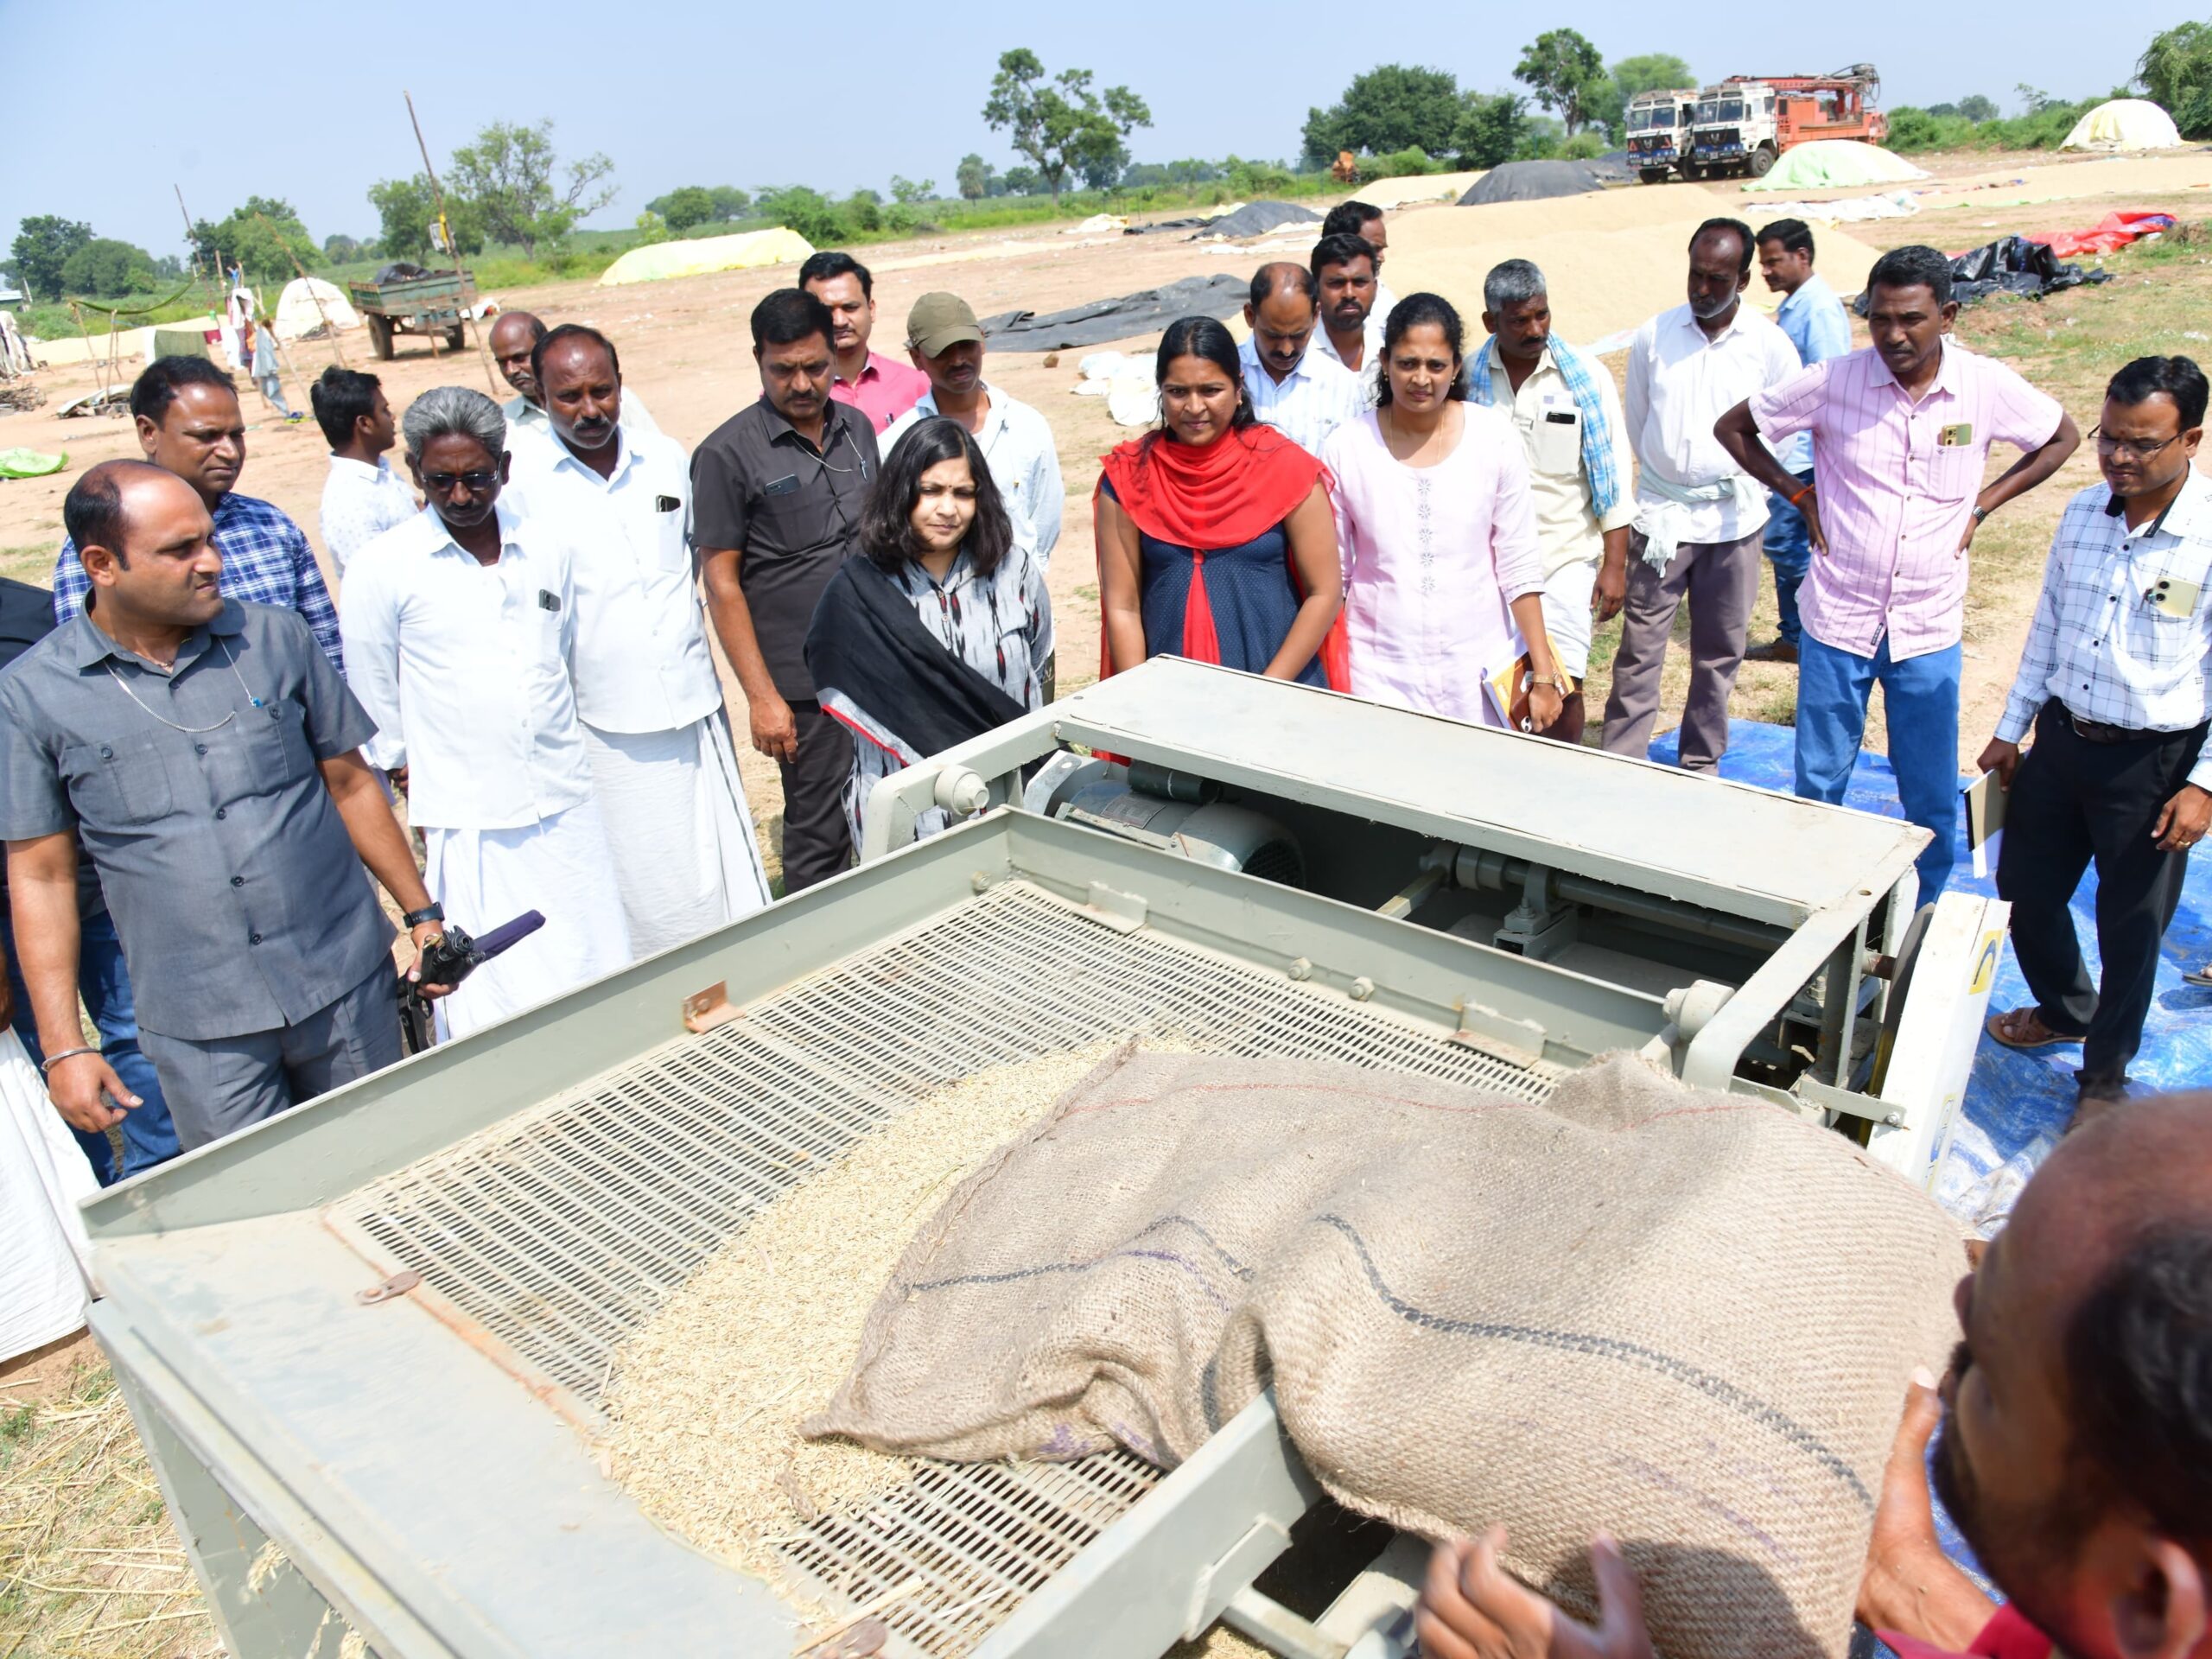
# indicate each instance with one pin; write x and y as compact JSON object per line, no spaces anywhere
{"x":366,"y":1342}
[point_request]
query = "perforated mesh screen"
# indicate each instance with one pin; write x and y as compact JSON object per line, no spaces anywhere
{"x":559,"y":1231}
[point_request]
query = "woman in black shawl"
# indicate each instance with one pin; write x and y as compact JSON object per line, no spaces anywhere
{"x":939,"y":628}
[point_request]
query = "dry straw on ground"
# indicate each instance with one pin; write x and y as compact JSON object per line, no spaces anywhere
{"x":707,"y":1400}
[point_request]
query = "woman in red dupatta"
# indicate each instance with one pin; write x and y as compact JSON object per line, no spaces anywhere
{"x":1216,"y":539}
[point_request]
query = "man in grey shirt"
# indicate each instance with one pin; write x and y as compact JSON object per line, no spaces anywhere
{"x":206,"y":750}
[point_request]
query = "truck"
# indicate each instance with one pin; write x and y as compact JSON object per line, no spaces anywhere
{"x":406,"y":299}
{"x":1745,"y":122}
{"x":1659,"y":123}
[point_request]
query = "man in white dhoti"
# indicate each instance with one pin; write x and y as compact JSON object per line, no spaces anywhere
{"x":653,"y":724}
{"x":464,"y":620}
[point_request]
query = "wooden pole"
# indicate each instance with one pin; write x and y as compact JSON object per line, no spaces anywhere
{"x":438,"y":202}
{"x":336,"y":346}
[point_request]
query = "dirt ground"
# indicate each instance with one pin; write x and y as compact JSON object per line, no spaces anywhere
{"x":686,"y":352}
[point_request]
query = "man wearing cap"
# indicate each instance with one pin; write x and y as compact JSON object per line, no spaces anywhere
{"x":945,"y":344}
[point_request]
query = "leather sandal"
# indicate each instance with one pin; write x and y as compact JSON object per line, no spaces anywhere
{"x":2007,"y":1028}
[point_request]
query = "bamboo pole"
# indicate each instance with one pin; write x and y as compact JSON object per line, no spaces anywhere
{"x":336,"y":345}
{"x":438,"y":202}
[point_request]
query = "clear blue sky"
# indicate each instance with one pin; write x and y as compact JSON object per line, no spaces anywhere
{"x":303,"y":99}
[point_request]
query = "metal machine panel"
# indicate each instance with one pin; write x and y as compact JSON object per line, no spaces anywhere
{"x":1938,"y":1032}
{"x":1740,"y":848}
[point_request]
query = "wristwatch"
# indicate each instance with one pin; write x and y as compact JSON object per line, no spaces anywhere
{"x":432,"y":911}
{"x":1557,"y":682}
{"x":1980,"y":513}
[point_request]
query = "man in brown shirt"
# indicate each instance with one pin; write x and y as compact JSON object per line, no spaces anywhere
{"x":776,"y":490}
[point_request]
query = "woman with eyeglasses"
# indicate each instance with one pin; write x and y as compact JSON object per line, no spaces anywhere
{"x":1444,"y":578}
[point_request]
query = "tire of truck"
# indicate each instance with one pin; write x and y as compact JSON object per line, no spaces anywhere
{"x":453,"y":338}
{"x":379,"y":336}
{"x":1692,"y":171}
{"x":1652,"y":175}
{"x":1762,"y":161}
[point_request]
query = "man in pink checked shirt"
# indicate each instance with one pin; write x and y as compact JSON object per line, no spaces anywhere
{"x":880,"y":387}
{"x":1900,"y":438}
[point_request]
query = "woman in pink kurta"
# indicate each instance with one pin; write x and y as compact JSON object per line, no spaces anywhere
{"x":1444,"y":579}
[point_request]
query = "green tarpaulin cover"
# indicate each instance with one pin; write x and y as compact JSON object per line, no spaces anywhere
{"x":1832,"y":163}
{"x":29,"y":463}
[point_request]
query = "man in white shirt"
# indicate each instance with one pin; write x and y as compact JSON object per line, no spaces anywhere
{"x":946,"y":344}
{"x":1698,"y":513}
{"x":2116,"y":682}
{"x":462,"y":626}
{"x":1352,"y":322}
{"x":1296,"y":389}
{"x":362,"y":496}
{"x":662,"y":761}
{"x":513,"y":338}
{"x":1581,"y":468}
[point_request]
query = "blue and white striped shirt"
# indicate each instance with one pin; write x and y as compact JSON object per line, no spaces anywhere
{"x":266,"y":561}
{"x":2122,"y":631}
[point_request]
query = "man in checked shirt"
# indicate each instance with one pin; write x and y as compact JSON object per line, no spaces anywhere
{"x":189,"y":423}
{"x":2116,"y":680}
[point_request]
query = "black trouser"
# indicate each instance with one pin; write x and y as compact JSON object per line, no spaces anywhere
{"x":2072,"y":801}
{"x":816,"y":843}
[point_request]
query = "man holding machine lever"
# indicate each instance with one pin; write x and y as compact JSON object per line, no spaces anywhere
{"x":208,"y":754}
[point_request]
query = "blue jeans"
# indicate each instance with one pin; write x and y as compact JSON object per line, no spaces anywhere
{"x":1788,"y":547}
{"x":148,"y":1137}
{"x":1921,"y":697}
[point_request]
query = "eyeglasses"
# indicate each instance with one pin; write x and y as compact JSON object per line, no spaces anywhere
{"x":442,"y":483}
{"x":2128,"y":447}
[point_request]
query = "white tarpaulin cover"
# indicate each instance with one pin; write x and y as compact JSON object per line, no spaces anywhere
{"x":43,"y":1175}
{"x":297,"y":312}
{"x":2124,"y":124}
{"x":659,"y":261}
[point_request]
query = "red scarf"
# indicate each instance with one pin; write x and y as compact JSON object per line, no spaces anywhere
{"x":1207,"y":498}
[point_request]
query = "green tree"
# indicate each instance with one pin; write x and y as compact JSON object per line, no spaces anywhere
{"x":264,"y":236}
{"x":1060,"y":125}
{"x":974,"y":178}
{"x":907,"y":192}
{"x":1565,"y":72}
{"x":2176,"y":70}
{"x":651,"y":227}
{"x":682,"y":208}
{"x":809,"y":212}
{"x":731,"y":204}
{"x":42,"y":245}
{"x":105,"y":268}
{"x":1978,"y":109}
{"x":1491,"y":128}
{"x":520,"y":189}
{"x":408,"y":215}
{"x":1650,"y":72}
{"x":340,"y":248}
{"x":1023,"y":181}
{"x":2033,"y":99}
{"x":1391,"y":107}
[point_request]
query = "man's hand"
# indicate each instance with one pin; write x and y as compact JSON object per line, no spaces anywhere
{"x":1611,"y":591}
{"x":1810,"y":511}
{"x":424,"y":935}
{"x":1909,"y":1585}
{"x":1966,"y":537}
{"x":2001,"y":758}
{"x":1546,"y":705}
{"x":2183,"y":821}
{"x":1471,"y":1608}
{"x":87,"y":1092}
{"x":775,"y":732}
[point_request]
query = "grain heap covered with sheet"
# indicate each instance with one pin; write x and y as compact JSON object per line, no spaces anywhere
{"x":707,"y":1400}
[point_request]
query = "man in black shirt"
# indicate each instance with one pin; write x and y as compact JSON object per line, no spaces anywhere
{"x":776,"y":490}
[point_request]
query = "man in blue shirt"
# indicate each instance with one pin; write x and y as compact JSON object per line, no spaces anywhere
{"x":1814,"y":319}
{"x":189,"y":423}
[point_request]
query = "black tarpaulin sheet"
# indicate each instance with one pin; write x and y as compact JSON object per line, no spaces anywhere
{"x":2011,"y":265}
{"x":1539,"y":181}
{"x":1119,"y":318}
